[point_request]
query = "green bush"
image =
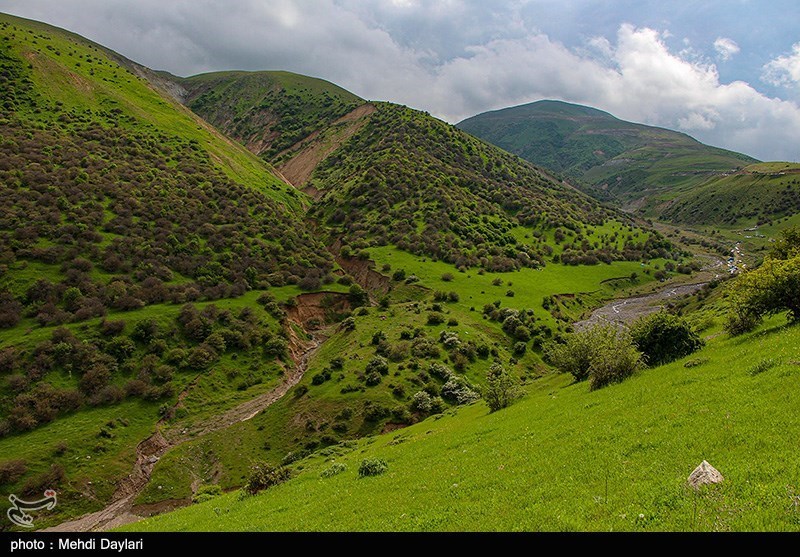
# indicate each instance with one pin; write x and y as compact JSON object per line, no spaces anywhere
{"x":378,"y":364}
{"x":436,"y":318}
{"x":502,"y":388}
{"x":372,"y":467}
{"x":603,"y":354}
{"x":741,"y":322}
{"x":206,"y":493}
{"x":333,"y":469}
{"x":421,"y":402}
{"x":663,"y":337}
{"x":263,"y":476}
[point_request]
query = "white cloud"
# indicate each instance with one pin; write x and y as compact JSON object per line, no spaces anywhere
{"x":726,"y":48}
{"x":784,"y":70}
{"x":453,"y":59}
{"x":637,"y":78}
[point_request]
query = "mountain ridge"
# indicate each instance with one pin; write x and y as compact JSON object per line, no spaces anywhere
{"x":624,"y":160}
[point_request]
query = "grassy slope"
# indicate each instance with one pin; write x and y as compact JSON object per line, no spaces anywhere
{"x":757,"y":194}
{"x":61,"y":73}
{"x":624,"y":159}
{"x":267,"y":111}
{"x":60,"y":76}
{"x":567,"y":459}
{"x":225,"y":457}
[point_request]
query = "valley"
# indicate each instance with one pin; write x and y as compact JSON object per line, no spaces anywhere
{"x":253,"y":300}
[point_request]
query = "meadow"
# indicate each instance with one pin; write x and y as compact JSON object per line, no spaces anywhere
{"x":565,"y":459}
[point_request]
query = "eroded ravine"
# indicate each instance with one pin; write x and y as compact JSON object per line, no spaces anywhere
{"x":120,"y":510}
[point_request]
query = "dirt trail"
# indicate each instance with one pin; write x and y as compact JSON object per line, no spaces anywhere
{"x":627,"y":310}
{"x":150,"y":451}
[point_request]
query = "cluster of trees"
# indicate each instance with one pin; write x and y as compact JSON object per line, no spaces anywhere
{"x":519,"y":324}
{"x":118,"y":360}
{"x":412,"y":181}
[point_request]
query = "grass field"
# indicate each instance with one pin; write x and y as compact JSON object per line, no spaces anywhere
{"x":567,"y":459}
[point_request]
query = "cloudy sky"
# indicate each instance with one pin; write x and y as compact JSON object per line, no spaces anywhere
{"x":724,"y":71}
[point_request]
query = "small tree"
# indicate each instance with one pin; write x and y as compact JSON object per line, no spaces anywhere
{"x":772,"y":288}
{"x":502,"y":388}
{"x":358,"y":296}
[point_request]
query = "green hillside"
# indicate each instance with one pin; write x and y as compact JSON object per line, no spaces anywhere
{"x":160,"y":285}
{"x":756,"y":195}
{"x":134,"y":241}
{"x":267,"y":111}
{"x":565,"y":459}
{"x":626,"y":161}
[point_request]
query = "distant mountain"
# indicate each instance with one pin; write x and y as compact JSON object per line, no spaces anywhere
{"x":629,"y":162}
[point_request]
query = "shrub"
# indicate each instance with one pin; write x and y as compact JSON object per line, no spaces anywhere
{"x":333,"y":469}
{"x":520,"y":348}
{"x":772,"y":288}
{"x":111,"y":328}
{"x":440,"y":371}
{"x":201,"y":357}
{"x":263,"y":476}
{"x":321,"y":377}
{"x":372,"y":467}
{"x":375,"y":412}
{"x":349,"y":324}
{"x":447,"y":277}
{"x":436,"y":318}
{"x":740,"y":321}
{"x":378,"y":364}
{"x":206,"y":493}
{"x":12,"y":470}
{"x":145,"y":330}
{"x":276,"y":347}
{"x":337,"y":362}
{"x":421,"y":402}
{"x":762,"y":366}
{"x":663,"y":337}
{"x":358,"y":296}
{"x":373,"y":378}
{"x":603,"y":354}
{"x":457,"y":391}
{"x":502,"y":388}
{"x":377,"y":337}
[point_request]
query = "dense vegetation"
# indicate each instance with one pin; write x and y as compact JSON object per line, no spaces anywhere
{"x":151,"y":285}
{"x":412,"y":181}
{"x":610,"y":157}
{"x":106,"y":214}
{"x":566,"y":459}
{"x":772,"y":288}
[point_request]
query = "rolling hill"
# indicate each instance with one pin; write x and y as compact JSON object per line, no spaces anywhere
{"x":161,"y":283}
{"x":383,"y":174}
{"x":755,"y":195}
{"x":631,"y":163}
{"x":204,"y":279}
